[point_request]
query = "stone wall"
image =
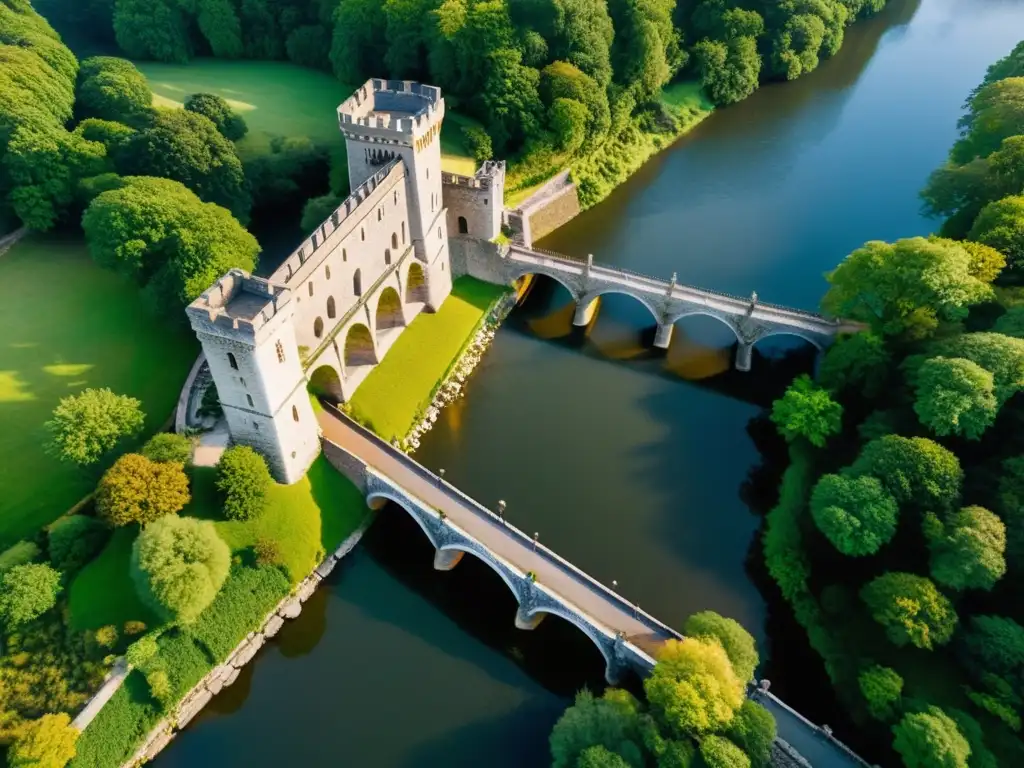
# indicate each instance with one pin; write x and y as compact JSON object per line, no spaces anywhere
{"x":552,"y":212}
{"x":477,"y":258}
{"x":225,"y":674}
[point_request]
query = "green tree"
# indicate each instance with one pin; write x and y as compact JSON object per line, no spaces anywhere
{"x":911,"y":609}
{"x":510,"y":100}
{"x":160,"y":687}
{"x":151,"y":29}
{"x":728,"y":70}
{"x":807,"y":411}
{"x":112,"y":135}
{"x":968,"y":550}
{"x":858,"y":362}
{"x":986,"y":261}
{"x":309,"y":46}
{"x":168,"y":446}
{"x":478,"y":143}
{"x":646,"y":50}
{"x":994,"y":113}
{"x":1011,"y":323}
{"x":583,"y":35}
{"x":930,"y":739}
{"x":955,"y":396}
{"x":27,"y":592}
{"x":1011,"y":506}
{"x":994,"y":644}
{"x":753,"y":730}
{"x":74,"y":541}
{"x":915,"y":470}
{"x":882,"y":689}
{"x":600,"y":757}
{"x":19,"y":554}
{"x":178,"y":566}
{"x":568,"y":119}
{"x":358,"y":44}
{"x":719,"y":752}
{"x":48,"y":742}
{"x":228,"y":122}
{"x":243,"y":479}
{"x":738,"y":644}
{"x":317,"y":210}
{"x":185,"y":146}
{"x":137,"y":490}
{"x":562,"y":80}
{"x":171,"y":243}
{"x":220,"y":26}
{"x":88,"y":426}
{"x":611,"y":721}
{"x":1000,"y":225}
{"x":693,"y":689}
{"x":904,"y":288}
{"x":857,"y":514}
{"x":113,"y":89}
{"x":1002,"y":356}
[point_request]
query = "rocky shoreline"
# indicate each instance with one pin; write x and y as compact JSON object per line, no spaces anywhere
{"x":452,"y":386}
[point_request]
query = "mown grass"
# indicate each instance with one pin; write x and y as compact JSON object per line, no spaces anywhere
{"x":401,"y":386}
{"x":455,"y":156}
{"x":102,"y":592}
{"x":67,"y":325}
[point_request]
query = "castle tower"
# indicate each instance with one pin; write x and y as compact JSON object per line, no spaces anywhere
{"x":389,"y":119}
{"x":245,"y":326}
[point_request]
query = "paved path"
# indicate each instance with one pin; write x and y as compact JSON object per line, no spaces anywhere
{"x":586,"y":594}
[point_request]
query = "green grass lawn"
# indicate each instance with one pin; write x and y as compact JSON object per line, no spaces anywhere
{"x":67,"y":325}
{"x":281,"y":99}
{"x":306,"y":519}
{"x":686,"y":95}
{"x":402,"y":385}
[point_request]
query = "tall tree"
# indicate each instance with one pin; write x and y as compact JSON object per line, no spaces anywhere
{"x":1000,"y":225}
{"x":152,"y":29}
{"x":359,"y":39}
{"x":611,"y":721}
{"x":646,"y":50}
{"x":916,"y":471}
{"x":113,"y":89}
{"x":858,"y":515}
{"x":90,"y":425}
{"x":968,"y":549}
{"x":911,"y":609}
{"x":930,"y":739}
{"x":583,"y":36}
{"x":807,"y":411}
{"x":955,"y":397}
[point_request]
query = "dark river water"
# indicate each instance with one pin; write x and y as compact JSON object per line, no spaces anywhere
{"x":633,"y":465}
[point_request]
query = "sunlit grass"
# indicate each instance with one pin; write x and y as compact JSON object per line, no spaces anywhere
{"x":67,"y":325}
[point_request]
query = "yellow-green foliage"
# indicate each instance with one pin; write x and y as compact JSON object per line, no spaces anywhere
{"x":92,"y":332}
{"x":398,"y":389}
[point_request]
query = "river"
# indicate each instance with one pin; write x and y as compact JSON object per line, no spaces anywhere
{"x":635,"y":466}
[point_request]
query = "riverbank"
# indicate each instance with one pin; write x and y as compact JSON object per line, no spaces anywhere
{"x":401,"y":391}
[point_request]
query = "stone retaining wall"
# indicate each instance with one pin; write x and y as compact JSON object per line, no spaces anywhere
{"x":553,"y":212}
{"x":225,"y":674}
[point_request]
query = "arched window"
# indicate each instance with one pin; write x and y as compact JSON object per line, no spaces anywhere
{"x":327,"y":272}
{"x":295,"y":413}
{"x":248,"y":399}
{"x":403,"y":233}
{"x":318,"y":327}
{"x":231,"y":361}
{"x":330,"y":307}
{"x":394,"y":240}
{"x":387,"y":255}
{"x":279,"y":348}
{"x":357,"y":283}
{"x":310,"y":286}
{"x":463,"y":226}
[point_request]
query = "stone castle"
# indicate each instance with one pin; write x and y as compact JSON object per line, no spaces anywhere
{"x":332,"y":310}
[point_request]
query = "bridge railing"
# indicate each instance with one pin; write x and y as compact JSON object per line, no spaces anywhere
{"x":661,"y":284}
{"x":503,"y":525}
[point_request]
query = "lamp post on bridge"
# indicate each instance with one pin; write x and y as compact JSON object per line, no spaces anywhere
{"x":501,"y":510}
{"x":440,"y":476}
{"x":535,"y":537}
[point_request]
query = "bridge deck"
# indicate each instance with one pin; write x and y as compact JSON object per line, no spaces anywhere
{"x":504,"y":541}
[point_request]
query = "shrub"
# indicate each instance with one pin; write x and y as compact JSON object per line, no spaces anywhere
{"x":133,"y":628}
{"x":930,"y":739}
{"x":229,"y":123}
{"x":911,"y":609}
{"x":719,"y":752}
{"x":27,"y":592}
{"x":753,"y":729}
{"x":48,"y":742}
{"x":738,"y":643}
{"x":807,"y":411}
{"x":243,"y":478}
{"x":112,"y":89}
{"x":178,"y":565}
{"x":267,"y":551}
{"x":168,"y":446}
{"x":478,"y":143}
{"x":137,"y":490}
{"x":693,"y":689}
{"x":106,"y":637}
{"x":881,"y":688}
{"x":141,"y":651}
{"x":88,"y":426}
{"x":76,"y":540}
{"x":22,"y":553}
{"x":160,"y":687}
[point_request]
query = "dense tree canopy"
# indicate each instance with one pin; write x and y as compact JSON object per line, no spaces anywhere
{"x":112,"y":89}
{"x":905,"y":288}
{"x":1002,"y":356}
{"x":48,"y":742}
{"x":165,"y":238}
{"x":74,"y":541}
{"x":90,"y":425}
{"x":753,"y":730}
{"x":26,"y":593}
{"x":857,"y":362}
{"x":881,"y":688}
{"x":611,"y":721}
{"x":228,"y":122}
{"x":995,"y":113}
{"x":955,"y":397}
{"x":1000,"y":225}
{"x":968,"y":549}
{"x":719,"y":752}
{"x":738,"y":644}
{"x":807,"y":411}
{"x":857,"y":514}
{"x":137,"y":490}
{"x":995,"y":644}
{"x":930,"y":739}
{"x":178,"y":566}
{"x":911,"y":609}
{"x":915,"y":470}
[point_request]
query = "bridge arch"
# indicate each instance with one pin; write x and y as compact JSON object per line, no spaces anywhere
{"x":388,"y":310}
{"x":604,"y":644}
{"x":796,"y":333}
{"x":326,"y":382}
{"x":359,"y":346}
{"x":560,"y":279}
{"x":703,"y":313}
{"x":378,"y":498}
{"x":484,"y":556}
{"x":589,"y":298}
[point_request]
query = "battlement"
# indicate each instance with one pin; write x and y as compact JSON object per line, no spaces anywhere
{"x":395,"y":106}
{"x":238,"y":303}
{"x":491,"y":172}
{"x":290,"y":267}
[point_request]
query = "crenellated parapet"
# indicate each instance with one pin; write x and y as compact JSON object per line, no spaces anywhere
{"x":398,"y":111}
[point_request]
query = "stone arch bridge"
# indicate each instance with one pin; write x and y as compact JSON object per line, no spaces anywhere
{"x":750,"y":320}
{"x":542,"y":582}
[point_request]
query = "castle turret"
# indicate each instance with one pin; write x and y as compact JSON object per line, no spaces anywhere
{"x":245,"y":326}
{"x":389,"y":119}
